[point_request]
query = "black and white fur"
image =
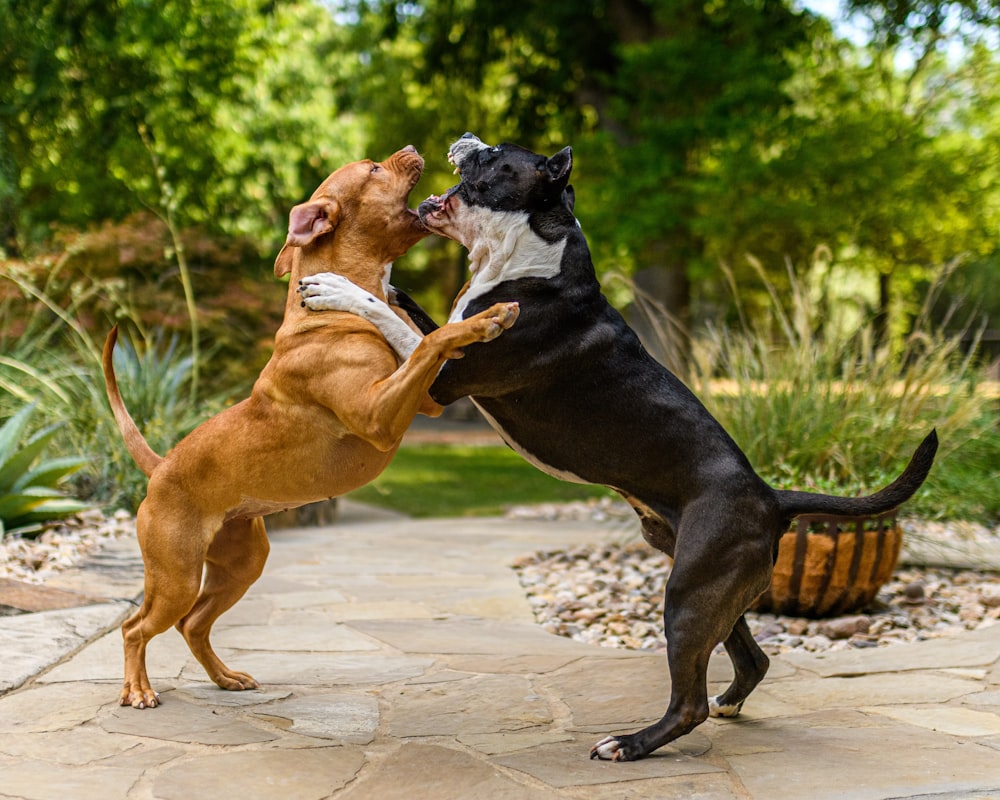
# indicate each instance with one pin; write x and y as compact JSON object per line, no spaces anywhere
{"x":571,"y":388}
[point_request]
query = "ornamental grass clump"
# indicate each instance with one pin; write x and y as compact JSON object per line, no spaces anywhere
{"x":819,"y":404}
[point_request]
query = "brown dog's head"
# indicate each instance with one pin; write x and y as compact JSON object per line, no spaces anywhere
{"x":362,"y":209}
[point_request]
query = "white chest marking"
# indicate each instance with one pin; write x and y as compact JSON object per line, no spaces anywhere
{"x":505,"y":248}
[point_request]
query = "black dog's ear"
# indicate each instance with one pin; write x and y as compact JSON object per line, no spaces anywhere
{"x":569,"y":198}
{"x":559,"y":166}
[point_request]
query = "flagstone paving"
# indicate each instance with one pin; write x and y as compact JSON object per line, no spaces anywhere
{"x":398,"y":659}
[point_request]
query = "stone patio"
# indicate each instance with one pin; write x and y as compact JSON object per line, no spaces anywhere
{"x":398,"y":659}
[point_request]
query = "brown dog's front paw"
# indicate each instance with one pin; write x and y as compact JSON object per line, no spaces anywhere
{"x":501,"y":317}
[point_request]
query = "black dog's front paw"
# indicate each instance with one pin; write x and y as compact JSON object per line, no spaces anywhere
{"x":616,"y":748}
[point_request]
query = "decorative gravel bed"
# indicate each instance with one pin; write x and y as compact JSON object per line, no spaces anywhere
{"x":61,"y":546}
{"x":612,"y":594}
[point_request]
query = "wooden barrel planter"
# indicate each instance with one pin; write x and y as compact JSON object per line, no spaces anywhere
{"x":832,"y":565}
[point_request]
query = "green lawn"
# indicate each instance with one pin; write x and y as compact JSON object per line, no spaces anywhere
{"x":456,"y":481}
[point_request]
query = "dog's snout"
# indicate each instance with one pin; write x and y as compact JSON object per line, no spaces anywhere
{"x":407,"y":160}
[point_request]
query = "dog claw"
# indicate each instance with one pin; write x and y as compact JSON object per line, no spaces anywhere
{"x":140,"y":700}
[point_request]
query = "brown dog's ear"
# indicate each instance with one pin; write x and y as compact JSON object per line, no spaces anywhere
{"x":312,"y":219}
{"x":283,"y":263}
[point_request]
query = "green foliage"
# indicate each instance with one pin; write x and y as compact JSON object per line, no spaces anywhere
{"x":818,"y":402}
{"x":154,"y":383}
{"x":141,"y":138}
{"x":852,"y":169}
{"x":458,"y":480}
{"x":52,"y":360}
{"x":236,"y":101}
{"x":28,"y":493}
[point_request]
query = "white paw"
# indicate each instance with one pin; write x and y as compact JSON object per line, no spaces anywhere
{"x":327,"y":291}
{"x":716,"y":710}
{"x":607,"y":749}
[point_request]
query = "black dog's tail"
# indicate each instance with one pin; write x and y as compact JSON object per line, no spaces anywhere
{"x":892,"y":496}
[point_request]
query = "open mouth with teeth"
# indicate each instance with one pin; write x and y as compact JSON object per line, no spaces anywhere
{"x":438,"y":208}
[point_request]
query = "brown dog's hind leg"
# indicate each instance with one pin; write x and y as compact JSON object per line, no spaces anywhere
{"x":749,"y":665}
{"x":173,"y":566}
{"x":235,"y":560}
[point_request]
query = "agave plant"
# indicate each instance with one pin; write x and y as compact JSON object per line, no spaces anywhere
{"x":28,"y":493}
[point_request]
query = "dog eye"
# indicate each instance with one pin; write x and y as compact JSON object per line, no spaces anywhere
{"x":376,"y":168}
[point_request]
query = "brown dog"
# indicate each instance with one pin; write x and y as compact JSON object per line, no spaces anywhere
{"x":325,"y":416}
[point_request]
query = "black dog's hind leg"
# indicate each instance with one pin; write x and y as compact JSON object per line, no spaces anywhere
{"x":749,"y":665}
{"x":717,"y":573}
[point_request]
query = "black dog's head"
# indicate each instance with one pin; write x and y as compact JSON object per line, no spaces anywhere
{"x":507,"y":177}
{"x":499,"y":178}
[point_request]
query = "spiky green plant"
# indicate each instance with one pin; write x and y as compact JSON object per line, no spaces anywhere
{"x":53,"y":360}
{"x":28,"y":483}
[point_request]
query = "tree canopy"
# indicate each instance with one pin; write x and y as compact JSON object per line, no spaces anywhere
{"x":703,"y":132}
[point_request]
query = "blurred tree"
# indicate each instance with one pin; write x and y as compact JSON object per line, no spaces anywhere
{"x":894,"y":171}
{"x":890,"y":162}
{"x":214,"y":115}
{"x":928,"y":25}
{"x":218,"y":111}
{"x":650,"y":85}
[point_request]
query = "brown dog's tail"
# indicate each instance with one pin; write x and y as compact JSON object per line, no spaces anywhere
{"x":137,"y":446}
{"x":892,"y":496}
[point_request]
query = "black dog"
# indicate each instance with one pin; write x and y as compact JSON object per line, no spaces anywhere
{"x":572,"y":390}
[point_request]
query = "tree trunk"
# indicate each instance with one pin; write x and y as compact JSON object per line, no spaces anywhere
{"x":881,"y":320}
